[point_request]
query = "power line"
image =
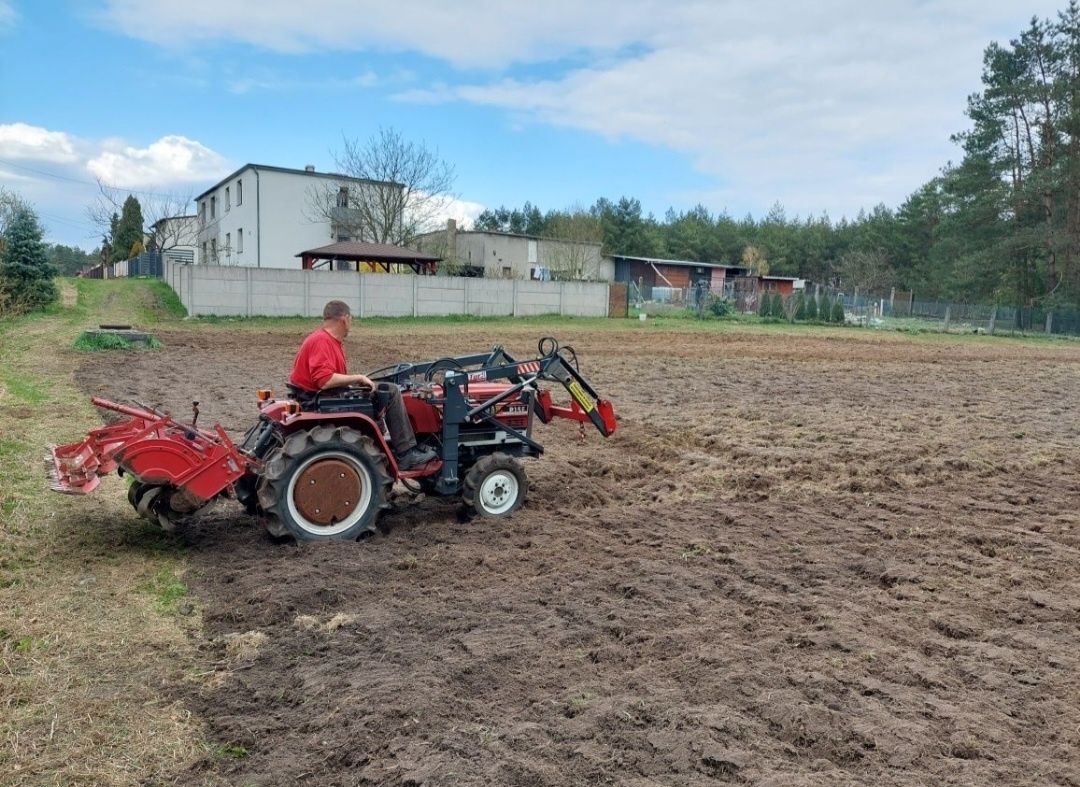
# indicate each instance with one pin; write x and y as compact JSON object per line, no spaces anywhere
{"x":63,"y":220}
{"x":84,"y":182}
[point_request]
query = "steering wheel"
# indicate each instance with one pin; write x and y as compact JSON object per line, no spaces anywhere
{"x":394,"y":370}
{"x":443,"y":364}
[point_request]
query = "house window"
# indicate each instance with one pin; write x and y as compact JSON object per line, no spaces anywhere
{"x":228,"y":245}
{"x":532,"y":251}
{"x":228,"y":200}
{"x":204,"y":258}
{"x":343,"y":197}
{"x":507,"y":272}
{"x":213,"y":207}
{"x":239,"y":235}
{"x":202,"y":213}
{"x":239,"y":192}
{"x":213,"y":249}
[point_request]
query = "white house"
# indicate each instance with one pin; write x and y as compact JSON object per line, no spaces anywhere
{"x":506,"y":255}
{"x":262,"y":216}
{"x":176,"y":237}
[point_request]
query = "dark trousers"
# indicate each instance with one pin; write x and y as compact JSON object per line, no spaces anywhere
{"x":397,"y":420}
{"x":388,"y":397}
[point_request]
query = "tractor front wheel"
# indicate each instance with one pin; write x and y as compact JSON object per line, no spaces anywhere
{"x":495,"y":486}
{"x":325,"y":483}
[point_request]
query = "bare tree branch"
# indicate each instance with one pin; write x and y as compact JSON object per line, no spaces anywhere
{"x":392,"y":190}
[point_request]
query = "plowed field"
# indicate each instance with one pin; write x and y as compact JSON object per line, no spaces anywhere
{"x":803,"y":559}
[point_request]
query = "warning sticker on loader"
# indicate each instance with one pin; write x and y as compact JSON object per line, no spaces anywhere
{"x":580,"y":396}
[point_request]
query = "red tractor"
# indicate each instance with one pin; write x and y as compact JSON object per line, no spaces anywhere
{"x":320,"y":467}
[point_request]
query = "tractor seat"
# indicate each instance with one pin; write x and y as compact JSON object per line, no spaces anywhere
{"x":352,"y":399}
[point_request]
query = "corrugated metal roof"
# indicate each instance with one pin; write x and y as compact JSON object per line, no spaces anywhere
{"x":683,"y":263}
{"x":368,"y":252}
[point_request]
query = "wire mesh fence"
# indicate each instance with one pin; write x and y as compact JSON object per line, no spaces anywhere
{"x":956,"y":317}
{"x":896,"y":311}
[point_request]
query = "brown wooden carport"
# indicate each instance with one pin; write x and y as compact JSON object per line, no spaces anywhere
{"x":376,"y":255}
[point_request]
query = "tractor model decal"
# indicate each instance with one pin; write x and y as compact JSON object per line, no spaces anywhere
{"x":580,"y":396}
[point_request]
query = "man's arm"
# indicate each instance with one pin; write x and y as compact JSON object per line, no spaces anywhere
{"x":337,"y":380}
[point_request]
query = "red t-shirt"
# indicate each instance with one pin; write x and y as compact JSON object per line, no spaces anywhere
{"x":320,"y":356}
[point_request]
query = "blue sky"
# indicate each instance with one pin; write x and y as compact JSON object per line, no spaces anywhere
{"x":736,"y":105}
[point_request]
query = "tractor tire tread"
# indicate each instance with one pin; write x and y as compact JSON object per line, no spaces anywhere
{"x":470,"y":487}
{"x":271,"y":490}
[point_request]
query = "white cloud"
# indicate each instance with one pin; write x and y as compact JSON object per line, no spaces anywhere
{"x":52,"y":169}
{"x":33,"y":143}
{"x":463,"y":212}
{"x":170,"y":160}
{"x":275,"y":82}
{"x":488,"y":33}
{"x":830,"y":105}
{"x":826,"y":107}
{"x":8,"y":16}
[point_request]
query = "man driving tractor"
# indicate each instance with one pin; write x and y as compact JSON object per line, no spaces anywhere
{"x":320,"y":366}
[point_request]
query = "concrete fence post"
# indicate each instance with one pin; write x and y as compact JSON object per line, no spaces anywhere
{"x":307,"y":293}
{"x":948,"y":314}
{"x":465,"y":296}
{"x":514,"y":299}
{"x":1049,"y":322}
{"x":247,"y":292}
{"x":415,"y":295}
{"x":562,"y":288}
{"x":360,"y":295}
{"x":993,"y":321}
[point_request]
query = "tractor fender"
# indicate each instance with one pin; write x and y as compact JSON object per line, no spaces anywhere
{"x":357,"y":421}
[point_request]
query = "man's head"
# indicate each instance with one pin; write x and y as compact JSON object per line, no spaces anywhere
{"x":337,"y":317}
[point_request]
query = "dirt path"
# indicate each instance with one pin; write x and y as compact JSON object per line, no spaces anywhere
{"x":800,"y":560}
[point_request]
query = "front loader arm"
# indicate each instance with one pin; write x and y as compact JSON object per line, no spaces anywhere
{"x":586,"y":405}
{"x":585,"y":402}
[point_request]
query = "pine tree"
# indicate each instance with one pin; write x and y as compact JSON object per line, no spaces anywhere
{"x":777,"y":306}
{"x":26,"y":278}
{"x":128,"y":230}
{"x":799,"y":311}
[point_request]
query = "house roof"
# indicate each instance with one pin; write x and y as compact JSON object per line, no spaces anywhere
{"x":288,"y":171}
{"x":780,"y":278}
{"x":442,"y":232}
{"x":682,"y":263}
{"x":368,"y":252}
{"x":529,"y":237}
{"x":174,"y":218}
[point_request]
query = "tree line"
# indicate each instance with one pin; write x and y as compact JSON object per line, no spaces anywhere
{"x":1002,"y":225}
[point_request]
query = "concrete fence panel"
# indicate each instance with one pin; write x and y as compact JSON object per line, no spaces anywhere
{"x":490,"y":297}
{"x":278,"y":292}
{"x":538,"y":297}
{"x":386,"y":294}
{"x":439,"y":295}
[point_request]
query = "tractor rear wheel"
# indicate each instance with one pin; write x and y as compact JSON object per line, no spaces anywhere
{"x":495,"y":486}
{"x":325,"y":483}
